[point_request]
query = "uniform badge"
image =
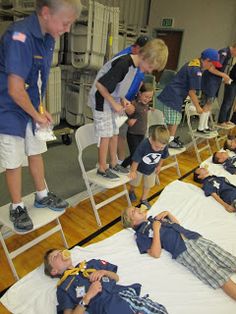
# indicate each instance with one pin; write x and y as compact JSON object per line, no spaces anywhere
{"x":199,"y":73}
{"x":80,"y":291}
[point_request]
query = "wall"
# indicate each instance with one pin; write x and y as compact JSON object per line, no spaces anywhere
{"x":210,"y":23}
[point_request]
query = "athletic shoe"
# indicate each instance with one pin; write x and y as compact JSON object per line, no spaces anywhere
{"x":119,"y":168}
{"x":178,"y":141}
{"x":108,"y":174}
{"x":20,"y":218}
{"x":132,"y":196}
{"x":146,"y":203}
{"x":174,"y":144}
{"x":51,"y":201}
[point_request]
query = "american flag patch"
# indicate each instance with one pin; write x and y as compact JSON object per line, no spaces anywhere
{"x":103,"y":262}
{"x":19,"y":36}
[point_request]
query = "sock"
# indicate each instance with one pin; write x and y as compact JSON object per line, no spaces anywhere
{"x":171,"y":138}
{"x":206,"y":120}
{"x":14,"y":206}
{"x":120,"y":161}
{"x":202,"y":118}
{"x":42,"y":194}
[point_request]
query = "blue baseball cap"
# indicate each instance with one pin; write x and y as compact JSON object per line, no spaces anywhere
{"x":212,"y":55}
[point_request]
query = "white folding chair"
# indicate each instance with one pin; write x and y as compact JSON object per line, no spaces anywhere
{"x":40,"y":218}
{"x":197,"y":137}
{"x":85,"y":137}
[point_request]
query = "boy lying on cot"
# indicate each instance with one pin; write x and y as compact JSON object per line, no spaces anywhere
{"x":209,"y":262}
{"x":218,"y":187}
{"x":91,"y":287}
{"x":228,"y":163}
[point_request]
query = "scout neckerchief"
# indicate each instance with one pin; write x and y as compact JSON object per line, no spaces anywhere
{"x":74,"y":272}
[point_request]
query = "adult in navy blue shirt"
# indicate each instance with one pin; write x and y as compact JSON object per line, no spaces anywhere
{"x":205,"y":259}
{"x":26,"y":53}
{"x":147,"y":161}
{"x":228,"y":163}
{"x":187,"y":82}
{"x":92,"y":286}
{"x":218,"y":187}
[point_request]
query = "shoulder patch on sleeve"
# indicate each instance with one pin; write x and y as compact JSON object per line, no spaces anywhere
{"x":194,"y":63}
{"x":19,"y":36}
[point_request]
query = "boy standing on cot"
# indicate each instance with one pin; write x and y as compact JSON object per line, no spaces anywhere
{"x":210,"y":263}
{"x":26,"y":53}
{"x":147,"y":161}
{"x":107,"y":99}
{"x":218,"y":187}
{"x":91,"y":287}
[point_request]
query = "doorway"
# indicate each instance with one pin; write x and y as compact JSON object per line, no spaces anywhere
{"x":173,"y":40}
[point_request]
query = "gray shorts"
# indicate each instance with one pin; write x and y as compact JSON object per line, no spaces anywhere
{"x":14,"y":149}
{"x":209,"y":262}
{"x":105,"y":123}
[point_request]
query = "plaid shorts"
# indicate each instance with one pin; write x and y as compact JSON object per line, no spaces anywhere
{"x":172,"y":117}
{"x":142,"y":305}
{"x":105,"y":123}
{"x":209,"y":262}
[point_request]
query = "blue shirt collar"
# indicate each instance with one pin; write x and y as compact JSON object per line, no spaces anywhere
{"x":35,"y":27}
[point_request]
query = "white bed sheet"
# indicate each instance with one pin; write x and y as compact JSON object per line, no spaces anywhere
{"x":218,"y":170}
{"x":164,"y":279}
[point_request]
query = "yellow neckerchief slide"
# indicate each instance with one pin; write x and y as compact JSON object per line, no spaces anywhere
{"x":74,"y":272}
{"x":194,"y":63}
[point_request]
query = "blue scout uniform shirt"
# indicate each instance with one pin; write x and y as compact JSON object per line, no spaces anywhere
{"x":139,"y":77}
{"x":26,"y":52}
{"x":186,"y":79}
{"x":147,"y":157}
{"x":107,"y":301}
{"x":170,"y":237}
{"x":211,"y":82}
{"x":220,"y":186}
{"x":230,"y":165}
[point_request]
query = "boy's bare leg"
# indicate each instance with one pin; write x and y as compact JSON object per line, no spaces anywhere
{"x":102,"y":153}
{"x":145,"y":193}
{"x":172,"y":129}
{"x":36,"y":167}
{"x":13,"y":179}
{"x":113,"y":150}
{"x":230,"y":288}
{"x":121,"y":146}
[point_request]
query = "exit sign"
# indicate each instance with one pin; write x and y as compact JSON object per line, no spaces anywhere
{"x":167,"y":22}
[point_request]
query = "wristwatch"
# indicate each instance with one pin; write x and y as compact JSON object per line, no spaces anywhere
{"x":82,"y":303}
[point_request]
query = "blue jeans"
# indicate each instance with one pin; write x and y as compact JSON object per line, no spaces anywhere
{"x":225,"y":109}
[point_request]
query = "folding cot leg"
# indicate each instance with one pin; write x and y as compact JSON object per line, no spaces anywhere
{"x":127,"y":195}
{"x":209,"y":147}
{"x":93,"y":203}
{"x":8,"y":257}
{"x":177,"y":165}
{"x":62,"y":233}
{"x":196,"y":151}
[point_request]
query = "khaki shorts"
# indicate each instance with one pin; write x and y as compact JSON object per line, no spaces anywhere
{"x":13,"y":149}
{"x":148,"y":180}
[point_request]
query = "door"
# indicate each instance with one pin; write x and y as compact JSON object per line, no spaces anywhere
{"x":173,"y":40}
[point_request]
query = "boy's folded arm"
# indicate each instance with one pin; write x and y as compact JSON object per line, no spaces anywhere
{"x":155,"y":249}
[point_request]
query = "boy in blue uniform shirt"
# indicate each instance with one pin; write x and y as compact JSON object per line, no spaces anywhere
{"x":26,"y":53}
{"x":205,"y":259}
{"x":187,"y":82}
{"x":228,"y":163}
{"x":218,"y":187}
{"x":92,"y":286}
{"x":147,"y":161}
